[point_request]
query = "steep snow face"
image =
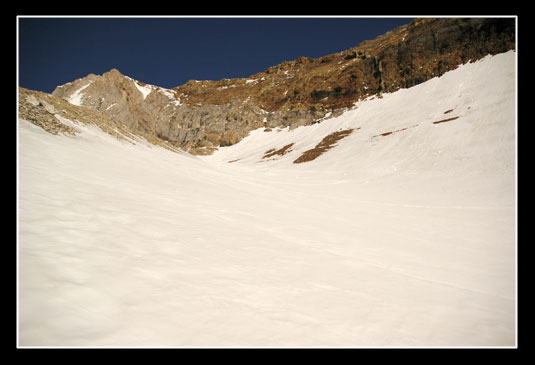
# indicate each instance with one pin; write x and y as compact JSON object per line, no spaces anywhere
{"x":402,"y":234}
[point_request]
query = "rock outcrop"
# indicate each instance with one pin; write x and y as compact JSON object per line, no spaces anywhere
{"x":201,"y":116}
{"x":58,"y":116}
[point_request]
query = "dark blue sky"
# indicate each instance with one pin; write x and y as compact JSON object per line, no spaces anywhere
{"x":170,"y":51}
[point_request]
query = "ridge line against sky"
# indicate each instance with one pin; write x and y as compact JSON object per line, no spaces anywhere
{"x":169,"y":51}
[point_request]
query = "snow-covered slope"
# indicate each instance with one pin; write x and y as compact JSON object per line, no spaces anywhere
{"x":387,"y":239}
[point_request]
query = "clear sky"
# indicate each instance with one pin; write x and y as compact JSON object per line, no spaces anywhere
{"x":170,"y":51}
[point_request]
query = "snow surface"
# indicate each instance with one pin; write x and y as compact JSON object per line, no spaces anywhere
{"x":144,"y":90}
{"x":76,"y":97}
{"x":403,"y":240}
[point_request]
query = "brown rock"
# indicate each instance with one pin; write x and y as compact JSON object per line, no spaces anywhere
{"x":203,"y":115}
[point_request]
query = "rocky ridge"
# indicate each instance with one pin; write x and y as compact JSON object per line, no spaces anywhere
{"x":60,"y":117}
{"x":201,"y":116}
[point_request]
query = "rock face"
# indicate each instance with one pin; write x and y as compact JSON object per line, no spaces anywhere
{"x":201,"y":116}
{"x":58,"y":116}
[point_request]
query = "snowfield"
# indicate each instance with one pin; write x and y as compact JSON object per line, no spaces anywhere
{"x":401,"y":239}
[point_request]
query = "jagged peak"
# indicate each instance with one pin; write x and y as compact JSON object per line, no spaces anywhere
{"x":114,"y":70}
{"x":113,"y":74}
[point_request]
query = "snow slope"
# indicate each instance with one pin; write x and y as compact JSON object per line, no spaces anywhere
{"x":405,"y":239}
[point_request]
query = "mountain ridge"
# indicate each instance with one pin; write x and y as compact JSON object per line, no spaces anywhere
{"x":59,"y":117}
{"x":201,"y":116}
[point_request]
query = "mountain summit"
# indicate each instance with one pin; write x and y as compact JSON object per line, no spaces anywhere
{"x":201,"y":116}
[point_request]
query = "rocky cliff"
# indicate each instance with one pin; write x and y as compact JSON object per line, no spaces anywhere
{"x":201,"y":116}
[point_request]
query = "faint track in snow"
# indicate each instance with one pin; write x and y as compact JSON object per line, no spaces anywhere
{"x":475,"y":207}
{"x":442,"y":283}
